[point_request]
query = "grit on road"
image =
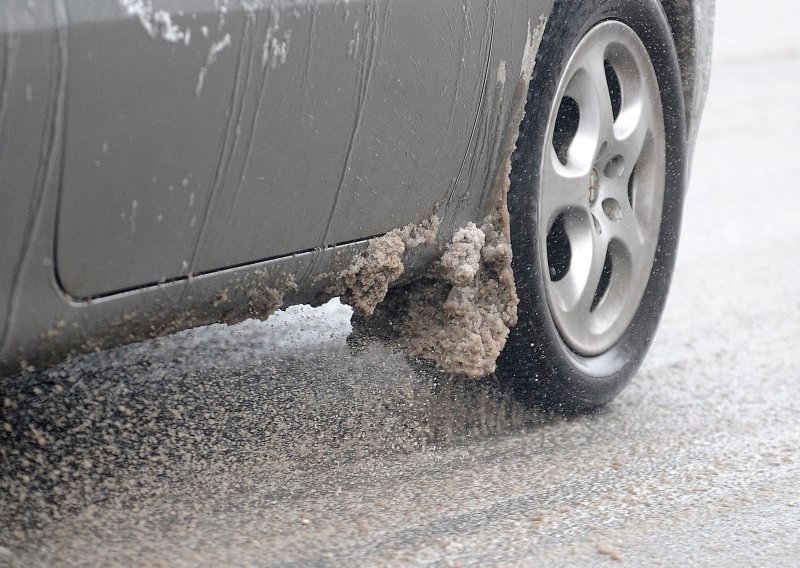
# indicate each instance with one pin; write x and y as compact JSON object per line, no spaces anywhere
{"x":279,"y":443}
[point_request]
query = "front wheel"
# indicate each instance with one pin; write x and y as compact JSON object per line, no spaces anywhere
{"x":597,"y":186}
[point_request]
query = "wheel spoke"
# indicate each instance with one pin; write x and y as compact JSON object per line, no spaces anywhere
{"x":629,"y":139}
{"x":593,"y":129}
{"x":598,"y":259}
{"x":577,"y":290}
{"x":626,"y":229}
{"x":563,"y":189}
{"x":595,"y":69}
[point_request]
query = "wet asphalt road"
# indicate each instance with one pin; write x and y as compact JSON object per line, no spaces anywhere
{"x":249,"y":446}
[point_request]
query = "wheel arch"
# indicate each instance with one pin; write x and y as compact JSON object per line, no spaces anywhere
{"x":692,"y":25}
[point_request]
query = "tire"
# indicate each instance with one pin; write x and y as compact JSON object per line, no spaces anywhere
{"x":582,"y":334}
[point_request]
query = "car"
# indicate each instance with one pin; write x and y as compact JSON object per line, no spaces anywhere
{"x":169,"y":164}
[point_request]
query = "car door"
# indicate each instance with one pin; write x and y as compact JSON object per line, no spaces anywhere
{"x":208,"y":134}
{"x":414,"y":130}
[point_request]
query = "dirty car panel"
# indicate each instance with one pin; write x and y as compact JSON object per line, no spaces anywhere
{"x":220,"y":139}
{"x":186,"y":152}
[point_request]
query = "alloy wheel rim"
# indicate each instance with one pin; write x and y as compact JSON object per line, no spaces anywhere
{"x":601,"y":194}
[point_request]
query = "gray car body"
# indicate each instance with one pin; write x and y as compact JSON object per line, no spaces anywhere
{"x":160,"y":159}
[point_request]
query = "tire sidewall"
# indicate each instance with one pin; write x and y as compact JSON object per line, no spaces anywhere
{"x":536,"y":352}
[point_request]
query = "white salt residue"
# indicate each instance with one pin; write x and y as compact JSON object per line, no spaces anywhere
{"x":169,"y":31}
{"x":275,"y":50}
{"x":222,"y":8}
{"x":201,"y":79}
{"x":213,"y":51}
{"x":532,"y":41}
{"x":217,"y":47}
{"x":132,"y":218}
{"x":355,"y":43}
{"x":501,"y":73}
{"x":157,"y":23}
